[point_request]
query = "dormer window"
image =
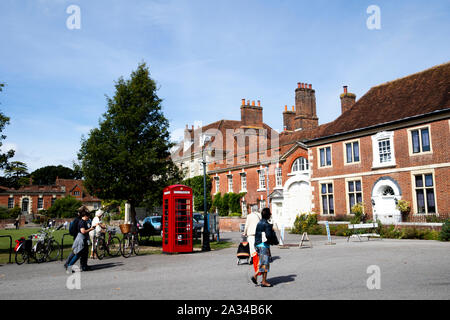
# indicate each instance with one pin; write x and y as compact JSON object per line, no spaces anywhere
{"x":383,"y":150}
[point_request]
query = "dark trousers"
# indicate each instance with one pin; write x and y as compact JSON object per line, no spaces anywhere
{"x":83,"y":255}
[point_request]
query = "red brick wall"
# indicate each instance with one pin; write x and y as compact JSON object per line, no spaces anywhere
{"x":230,"y":224}
{"x":440,"y":141}
{"x":253,"y":195}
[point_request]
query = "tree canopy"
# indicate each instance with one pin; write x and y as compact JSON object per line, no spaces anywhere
{"x":196,"y":183}
{"x":47,"y":175}
{"x":128,"y":156}
{"x":4,"y":121}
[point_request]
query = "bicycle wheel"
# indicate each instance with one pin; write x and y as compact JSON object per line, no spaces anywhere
{"x":114,"y":247}
{"x":136,"y":245}
{"x":100,"y":248}
{"x":127,"y":246}
{"x":21,"y":256}
{"x":53,"y":250}
{"x":41,"y":252}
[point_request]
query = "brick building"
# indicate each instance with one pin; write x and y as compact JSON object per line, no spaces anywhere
{"x":271,"y":167}
{"x":391,"y":144}
{"x":33,"y":198}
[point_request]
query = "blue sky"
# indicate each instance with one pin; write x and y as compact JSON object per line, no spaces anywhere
{"x":205,"y":56}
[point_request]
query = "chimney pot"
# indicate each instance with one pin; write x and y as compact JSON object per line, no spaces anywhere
{"x":285,"y":108}
{"x":299,"y":85}
{"x":253,"y":103}
{"x":248,"y":102}
{"x":310,"y":86}
{"x":243,"y":102}
{"x":259,"y":103}
{"x":345,"y":89}
{"x":293,"y":109}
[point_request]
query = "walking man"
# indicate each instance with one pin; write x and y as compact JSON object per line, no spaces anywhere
{"x":73,"y":230}
{"x":249,"y":232}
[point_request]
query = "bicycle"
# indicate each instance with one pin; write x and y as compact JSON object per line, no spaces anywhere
{"x":51,"y":248}
{"x":25,"y":251}
{"x":111,"y":245}
{"x":130,"y":244}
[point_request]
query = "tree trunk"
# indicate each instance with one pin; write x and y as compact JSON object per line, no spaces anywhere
{"x":133,"y":214}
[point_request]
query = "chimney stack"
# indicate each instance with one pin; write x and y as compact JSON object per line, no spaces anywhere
{"x":251,"y":115}
{"x":288,"y":119}
{"x":305,"y":107}
{"x":347,"y":100}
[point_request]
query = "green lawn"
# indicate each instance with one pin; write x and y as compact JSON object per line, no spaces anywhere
{"x":153,"y":245}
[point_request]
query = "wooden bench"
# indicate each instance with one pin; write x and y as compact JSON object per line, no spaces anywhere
{"x":370,"y":226}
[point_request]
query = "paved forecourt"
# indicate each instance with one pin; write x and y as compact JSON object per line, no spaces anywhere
{"x":407,"y":269}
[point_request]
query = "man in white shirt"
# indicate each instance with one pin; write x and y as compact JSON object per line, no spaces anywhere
{"x":249,"y":232}
{"x":99,"y":226}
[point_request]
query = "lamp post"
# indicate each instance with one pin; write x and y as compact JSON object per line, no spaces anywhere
{"x":205,"y":245}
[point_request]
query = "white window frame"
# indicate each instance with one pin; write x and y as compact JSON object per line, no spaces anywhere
{"x":414,"y":196}
{"x":320,"y":198}
{"x":347,"y":192}
{"x":278,"y":177}
{"x":9,"y":206}
{"x":262,"y":204}
{"x":243,"y":181}
{"x":344,"y":146}
{"x":381,"y":136}
{"x":325,"y":153}
{"x":230,"y":182}
{"x":40,"y":203}
{"x":217,"y":183}
{"x":410,"y":142}
{"x":297,"y":163}
{"x":261,"y":182}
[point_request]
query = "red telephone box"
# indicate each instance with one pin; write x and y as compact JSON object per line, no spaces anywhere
{"x":177,"y":219}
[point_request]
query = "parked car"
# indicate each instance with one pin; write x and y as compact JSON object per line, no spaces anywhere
{"x":198,"y":224}
{"x":150,"y":226}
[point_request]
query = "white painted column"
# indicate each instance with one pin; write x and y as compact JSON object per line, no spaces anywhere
{"x":127,"y":213}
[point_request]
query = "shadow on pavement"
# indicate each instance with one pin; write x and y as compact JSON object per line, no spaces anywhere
{"x":105,"y":265}
{"x":282,"y":279}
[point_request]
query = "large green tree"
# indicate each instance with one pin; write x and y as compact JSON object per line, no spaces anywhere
{"x":16,"y":172}
{"x":47,"y":175}
{"x":196,"y":183}
{"x":4,"y":121}
{"x":128,"y":156}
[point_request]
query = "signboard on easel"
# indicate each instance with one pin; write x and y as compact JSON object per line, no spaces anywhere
{"x":327,"y":226}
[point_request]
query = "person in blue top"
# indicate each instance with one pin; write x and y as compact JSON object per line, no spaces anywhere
{"x":264,"y":237}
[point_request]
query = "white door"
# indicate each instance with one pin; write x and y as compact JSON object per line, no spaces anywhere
{"x":386,"y":210}
{"x":299,"y":200}
{"x":277,"y":211}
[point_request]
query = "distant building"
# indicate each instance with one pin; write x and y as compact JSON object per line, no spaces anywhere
{"x":33,"y":198}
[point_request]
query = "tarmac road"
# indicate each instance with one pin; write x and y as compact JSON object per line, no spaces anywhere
{"x":409,"y":269}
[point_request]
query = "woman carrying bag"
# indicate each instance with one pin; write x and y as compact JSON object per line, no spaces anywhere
{"x":264,"y":238}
